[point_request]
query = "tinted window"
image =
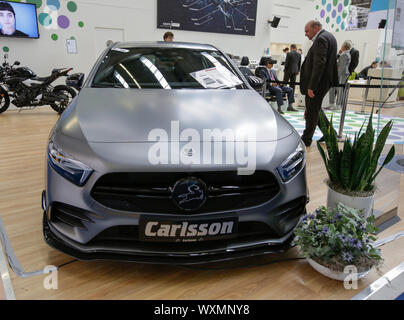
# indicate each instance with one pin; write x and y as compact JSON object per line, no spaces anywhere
{"x":166,"y":68}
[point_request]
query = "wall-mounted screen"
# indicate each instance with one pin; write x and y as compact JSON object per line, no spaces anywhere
{"x":18,"y":19}
{"x":221,"y":16}
{"x":398,"y":30}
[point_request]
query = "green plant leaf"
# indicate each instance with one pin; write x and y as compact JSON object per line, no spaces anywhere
{"x":346,"y":165}
{"x":380,"y":143}
{"x":331,"y":142}
{"x":389,"y":157}
{"x":322,"y":153}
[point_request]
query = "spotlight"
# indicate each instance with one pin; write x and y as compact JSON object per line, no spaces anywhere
{"x":274,"y":23}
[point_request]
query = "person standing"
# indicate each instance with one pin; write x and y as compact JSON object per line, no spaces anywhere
{"x":292,"y":66}
{"x":301,"y":54}
{"x":283,"y":57}
{"x":354,"y":59}
{"x":343,"y":63}
{"x":318,"y":73}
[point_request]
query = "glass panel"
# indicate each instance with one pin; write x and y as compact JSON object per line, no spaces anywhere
{"x":166,"y":68}
{"x":391,"y":67}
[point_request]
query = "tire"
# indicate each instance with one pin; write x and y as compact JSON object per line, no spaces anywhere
{"x":59,"y":107}
{"x":4,"y":100}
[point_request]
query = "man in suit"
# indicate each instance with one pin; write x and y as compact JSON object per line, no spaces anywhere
{"x":354,"y":59}
{"x":292,"y":66}
{"x":343,"y":63}
{"x":269,"y":75}
{"x":318,"y":73}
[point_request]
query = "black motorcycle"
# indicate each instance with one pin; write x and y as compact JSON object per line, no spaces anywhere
{"x":27,"y":90}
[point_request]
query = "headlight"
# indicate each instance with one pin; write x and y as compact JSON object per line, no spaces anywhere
{"x":68,"y":167}
{"x":293,"y":164}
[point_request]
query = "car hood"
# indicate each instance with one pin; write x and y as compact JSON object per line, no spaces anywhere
{"x":113,"y":115}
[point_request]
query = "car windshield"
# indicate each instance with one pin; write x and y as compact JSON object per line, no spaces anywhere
{"x":166,"y":68}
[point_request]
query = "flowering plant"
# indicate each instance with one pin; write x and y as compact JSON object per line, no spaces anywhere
{"x":338,"y":237}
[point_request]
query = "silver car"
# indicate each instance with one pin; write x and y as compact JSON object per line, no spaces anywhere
{"x":168,"y":155}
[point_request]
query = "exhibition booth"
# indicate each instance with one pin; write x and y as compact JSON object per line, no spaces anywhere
{"x":164,"y":150}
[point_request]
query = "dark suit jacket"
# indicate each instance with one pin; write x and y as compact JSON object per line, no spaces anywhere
{"x":354,"y":60}
{"x":264,"y":74}
{"x":293,"y":62}
{"x":319,"y":71}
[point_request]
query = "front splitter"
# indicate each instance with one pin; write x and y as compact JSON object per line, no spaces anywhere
{"x":170,"y":259}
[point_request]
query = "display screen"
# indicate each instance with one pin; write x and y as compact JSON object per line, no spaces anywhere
{"x":398,"y":31}
{"x":18,"y":20}
{"x":222,"y":16}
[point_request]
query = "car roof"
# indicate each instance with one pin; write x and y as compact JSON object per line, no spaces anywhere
{"x":162,"y":44}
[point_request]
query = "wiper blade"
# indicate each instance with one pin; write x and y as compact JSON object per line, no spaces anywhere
{"x":237,"y":86}
{"x":112,"y":85}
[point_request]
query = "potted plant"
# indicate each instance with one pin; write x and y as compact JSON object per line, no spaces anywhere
{"x":334,"y":238}
{"x":352,"y":171}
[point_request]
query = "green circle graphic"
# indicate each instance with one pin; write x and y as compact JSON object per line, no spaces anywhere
{"x":6,"y":49}
{"x":72,"y":6}
{"x":54,"y":37}
{"x":81,"y":24}
{"x":45,"y":19}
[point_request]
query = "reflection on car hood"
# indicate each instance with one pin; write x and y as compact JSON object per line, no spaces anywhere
{"x":129,"y":115}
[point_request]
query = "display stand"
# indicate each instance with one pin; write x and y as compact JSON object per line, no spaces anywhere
{"x":343,"y":112}
{"x":387,"y":191}
{"x":362,"y":112}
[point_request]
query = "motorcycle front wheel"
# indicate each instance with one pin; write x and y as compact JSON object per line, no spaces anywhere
{"x":68,"y":94}
{"x":4,"y":100}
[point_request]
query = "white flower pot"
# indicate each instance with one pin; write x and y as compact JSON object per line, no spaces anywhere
{"x":361,"y":203}
{"x":336,"y":275}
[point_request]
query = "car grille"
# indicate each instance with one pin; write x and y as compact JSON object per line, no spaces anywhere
{"x":152,"y":192}
{"x":69,"y":215}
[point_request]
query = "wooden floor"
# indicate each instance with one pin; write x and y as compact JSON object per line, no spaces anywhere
{"x":23,"y":138}
{"x":2,"y":294}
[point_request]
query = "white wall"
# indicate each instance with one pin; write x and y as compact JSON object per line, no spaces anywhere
{"x":138,"y":19}
{"x":294,"y":15}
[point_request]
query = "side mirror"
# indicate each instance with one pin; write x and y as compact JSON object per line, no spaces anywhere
{"x":17,"y":63}
{"x":75,"y":80}
{"x":255,"y":82}
{"x":6,"y":56}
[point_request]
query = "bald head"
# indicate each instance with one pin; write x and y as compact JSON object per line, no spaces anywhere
{"x":312,"y":28}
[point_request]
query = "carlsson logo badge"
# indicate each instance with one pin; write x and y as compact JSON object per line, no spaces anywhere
{"x":189,"y":194}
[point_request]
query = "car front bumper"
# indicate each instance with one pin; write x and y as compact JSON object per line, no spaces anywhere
{"x":142,"y":255}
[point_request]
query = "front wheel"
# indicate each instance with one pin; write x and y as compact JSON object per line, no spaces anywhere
{"x":67,"y":94}
{"x":4,"y":100}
